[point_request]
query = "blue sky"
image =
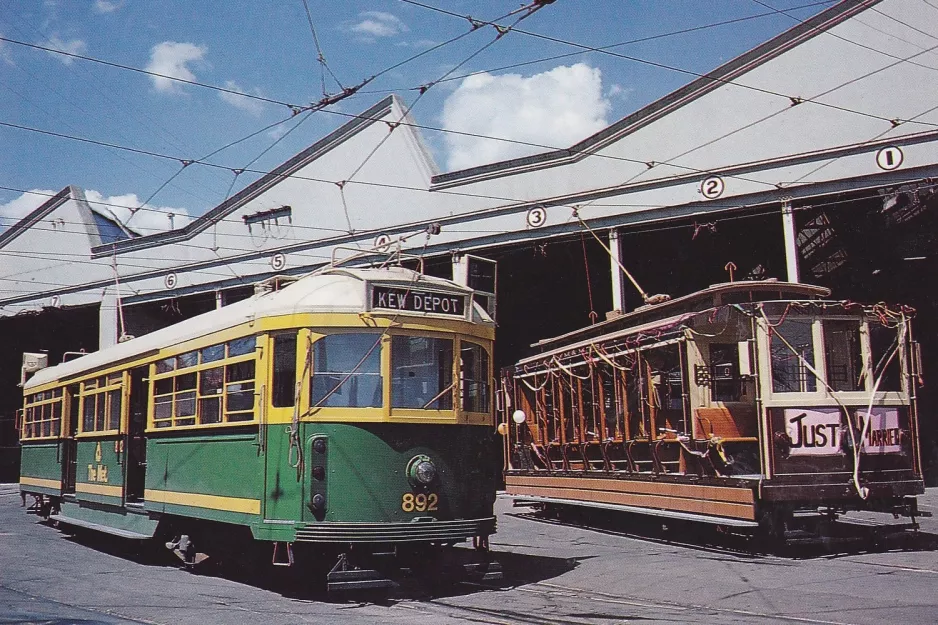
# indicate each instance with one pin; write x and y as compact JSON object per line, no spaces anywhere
{"x":266,"y":48}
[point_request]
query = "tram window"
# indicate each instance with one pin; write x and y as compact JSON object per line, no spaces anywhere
{"x":210,"y":389}
{"x":284,"y":378}
{"x":239,"y":347}
{"x":211,"y":354}
{"x":56,"y":416}
{"x":421,"y":372}
{"x":99,"y":413}
{"x":842,"y":352}
{"x":884,"y":352}
{"x":789,"y":371}
{"x":239,"y":391}
{"x":87,"y":421}
{"x":163,"y":411}
{"x":114,"y":410}
{"x":347,"y":371}
{"x":42,"y":418}
{"x":474,"y":361}
{"x":189,"y":359}
{"x":724,"y":372}
{"x":166,"y":365}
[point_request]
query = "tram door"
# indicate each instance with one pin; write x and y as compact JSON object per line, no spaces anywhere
{"x":70,"y":445}
{"x":136,"y":442}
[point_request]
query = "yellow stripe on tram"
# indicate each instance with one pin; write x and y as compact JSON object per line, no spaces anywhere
{"x":40,"y":481}
{"x":215,"y":502}
{"x":99,"y":489}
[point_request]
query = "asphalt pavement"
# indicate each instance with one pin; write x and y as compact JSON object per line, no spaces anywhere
{"x":577,"y":569}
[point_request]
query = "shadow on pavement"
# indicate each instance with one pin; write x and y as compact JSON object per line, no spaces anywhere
{"x":825,"y":540}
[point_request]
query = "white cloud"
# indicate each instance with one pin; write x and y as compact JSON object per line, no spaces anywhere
{"x":16,"y":209}
{"x":252,"y":106}
{"x":146,"y":220}
{"x":74,"y":46}
{"x":557,"y":108}
{"x":379,"y":24}
{"x":172,"y":59}
{"x":107,"y":6}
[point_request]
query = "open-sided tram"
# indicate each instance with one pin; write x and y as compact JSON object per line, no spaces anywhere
{"x":744,"y":405}
{"x":344,"y":418}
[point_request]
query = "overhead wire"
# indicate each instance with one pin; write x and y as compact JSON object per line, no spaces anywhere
{"x":708,"y":76}
{"x":263,"y":172}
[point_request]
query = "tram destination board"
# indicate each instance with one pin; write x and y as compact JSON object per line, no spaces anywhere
{"x":416,"y":300}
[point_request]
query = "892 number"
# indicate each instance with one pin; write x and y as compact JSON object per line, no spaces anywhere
{"x":419,"y":502}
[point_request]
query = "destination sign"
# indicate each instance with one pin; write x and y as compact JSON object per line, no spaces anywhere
{"x":414,"y":300}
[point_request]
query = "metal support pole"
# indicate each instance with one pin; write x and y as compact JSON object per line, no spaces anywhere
{"x":618,"y":288}
{"x":791,"y":247}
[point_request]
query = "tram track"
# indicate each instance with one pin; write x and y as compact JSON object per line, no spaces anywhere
{"x":574,"y":605}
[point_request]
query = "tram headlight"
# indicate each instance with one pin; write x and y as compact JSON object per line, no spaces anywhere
{"x":421,"y":471}
{"x":519,"y":417}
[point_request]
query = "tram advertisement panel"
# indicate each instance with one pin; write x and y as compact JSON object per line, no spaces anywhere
{"x":813,"y":431}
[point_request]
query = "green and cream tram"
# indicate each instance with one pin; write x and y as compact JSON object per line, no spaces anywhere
{"x":336,"y":416}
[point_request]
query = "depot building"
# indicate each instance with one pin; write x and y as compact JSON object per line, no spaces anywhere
{"x":811,"y":158}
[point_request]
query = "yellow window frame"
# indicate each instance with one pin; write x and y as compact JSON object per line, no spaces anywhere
{"x":30,"y":422}
{"x":94,"y":388}
{"x":198,"y":369}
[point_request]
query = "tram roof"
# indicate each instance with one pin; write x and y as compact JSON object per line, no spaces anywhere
{"x":714,"y":295}
{"x":328,"y":290}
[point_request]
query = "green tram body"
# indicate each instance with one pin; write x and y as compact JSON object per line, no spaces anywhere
{"x":350,"y":407}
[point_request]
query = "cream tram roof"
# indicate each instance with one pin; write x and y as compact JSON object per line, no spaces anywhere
{"x":332,"y":290}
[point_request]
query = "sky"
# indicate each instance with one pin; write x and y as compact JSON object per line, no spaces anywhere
{"x":112,"y":96}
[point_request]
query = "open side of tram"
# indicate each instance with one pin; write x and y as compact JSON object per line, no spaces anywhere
{"x":342,"y":418}
{"x":742,"y":405}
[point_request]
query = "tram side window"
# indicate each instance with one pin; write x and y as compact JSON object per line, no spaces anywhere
{"x":422,"y":372}
{"x":474,"y":362}
{"x":102,"y":400}
{"x":42,"y":417}
{"x":885,"y":354}
{"x":842,"y":352}
{"x":284,"y":376}
{"x":791,"y":346}
{"x":347,"y":371}
{"x":239,"y":391}
{"x":204,"y":387}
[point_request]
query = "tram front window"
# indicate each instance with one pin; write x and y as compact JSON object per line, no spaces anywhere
{"x":347,"y":371}
{"x":421,"y":372}
{"x":842,"y":353}
{"x":792,"y":348}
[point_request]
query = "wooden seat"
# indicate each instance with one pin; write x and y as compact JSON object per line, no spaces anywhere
{"x":726,"y":423}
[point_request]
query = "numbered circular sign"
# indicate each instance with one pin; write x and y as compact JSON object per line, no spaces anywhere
{"x":537,"y":217}
{"x":889,"y":158}
{"x":712,"y":187}
{"x":278,"y":261}
{"x":170,"y":280}
{"x":382,"y":242}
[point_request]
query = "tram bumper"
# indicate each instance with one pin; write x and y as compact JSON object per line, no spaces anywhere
{"x":842,"y":492}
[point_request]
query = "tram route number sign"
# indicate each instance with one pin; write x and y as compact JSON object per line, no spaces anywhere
{"x":415,"y":300}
